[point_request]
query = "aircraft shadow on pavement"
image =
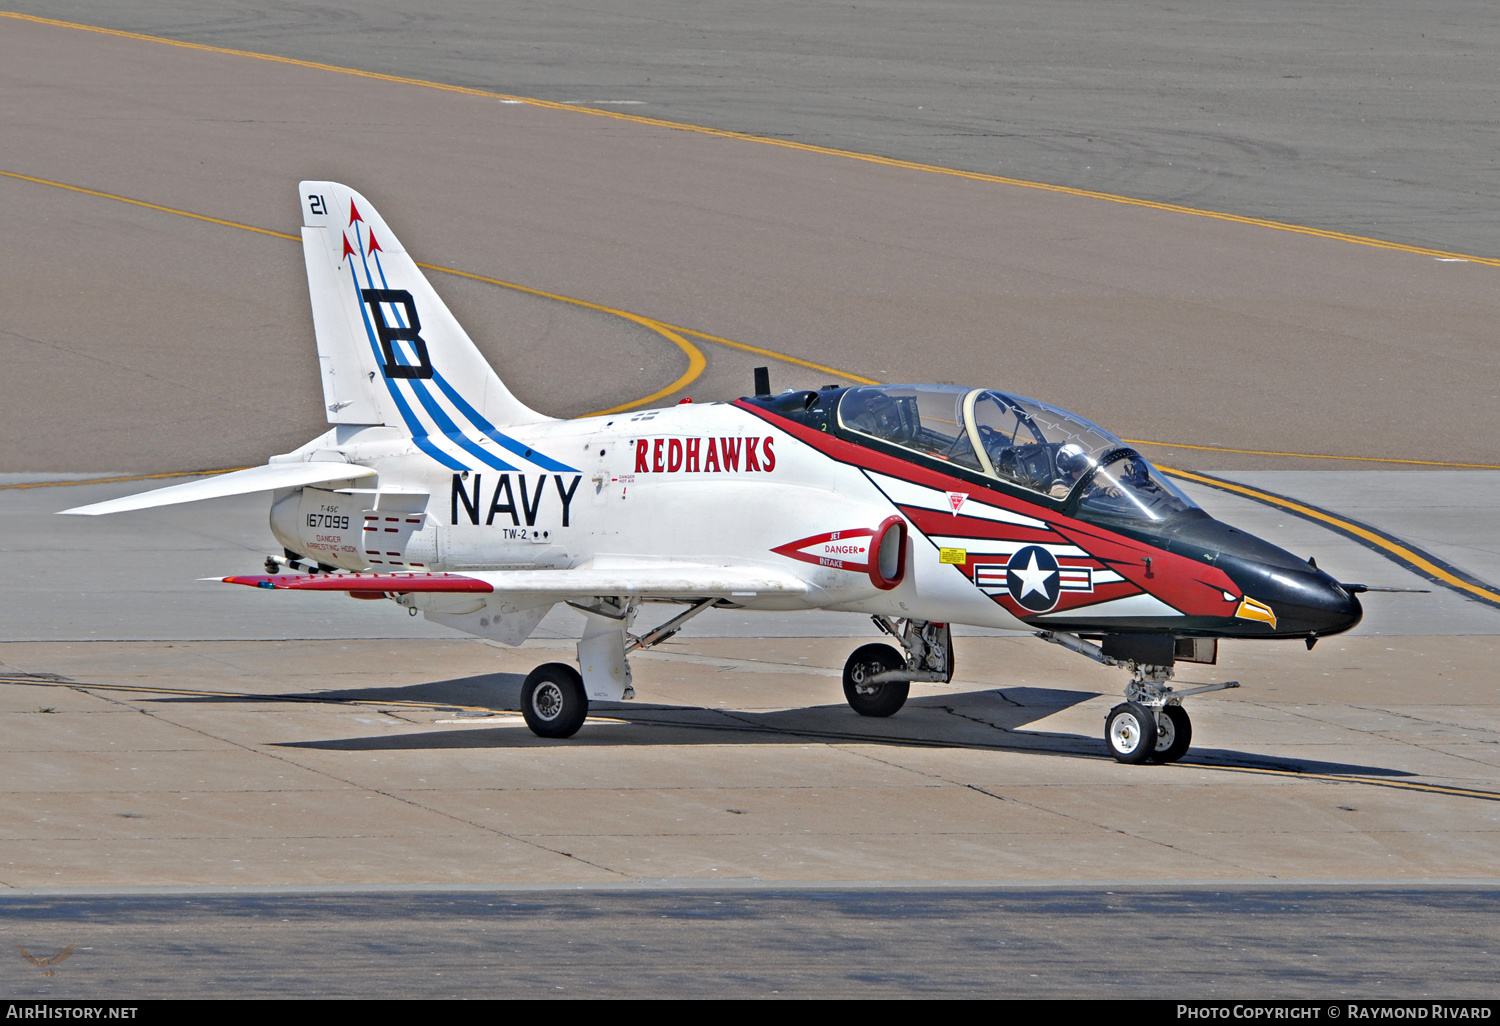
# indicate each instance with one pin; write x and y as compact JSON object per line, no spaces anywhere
{"x":500,"y":692}
{"x":988,"y":719}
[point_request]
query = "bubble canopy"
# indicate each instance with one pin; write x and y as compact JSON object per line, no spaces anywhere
{"x":1018,"y":441}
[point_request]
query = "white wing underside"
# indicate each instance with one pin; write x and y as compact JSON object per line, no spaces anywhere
{"x":643,"y":583}
{"x":239,"y":482}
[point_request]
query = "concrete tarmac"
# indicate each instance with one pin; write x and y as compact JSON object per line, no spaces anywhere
{"x":214,"y":764}
{"x":173,"y":732}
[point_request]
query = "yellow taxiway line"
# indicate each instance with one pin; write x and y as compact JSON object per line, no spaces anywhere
{"x":1404,"y":785}
{"x":130,"y":477}
{"x":1313,"y":455}
{"x":695,"y":357}
{"x":868,"y":158}
{"x":191,"y":693}
{"x":1390,"y":545}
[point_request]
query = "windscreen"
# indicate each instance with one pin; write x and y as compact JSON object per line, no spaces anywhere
{"x":1037,"y":446}
{"x":1126,"y":487}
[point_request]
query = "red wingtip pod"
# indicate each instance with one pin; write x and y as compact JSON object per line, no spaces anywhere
{"x":888,"y":554}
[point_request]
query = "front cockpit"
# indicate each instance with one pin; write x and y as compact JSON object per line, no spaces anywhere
{"x":1050,"y":454}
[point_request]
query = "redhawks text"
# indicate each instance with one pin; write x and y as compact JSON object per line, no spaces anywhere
{"x":703,"y":455}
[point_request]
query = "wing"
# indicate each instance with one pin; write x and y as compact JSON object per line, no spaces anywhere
{"x":239,"y":482}
{"x":38,"y":962}
{"x":670,"y":581}
{"x":62,"y":955}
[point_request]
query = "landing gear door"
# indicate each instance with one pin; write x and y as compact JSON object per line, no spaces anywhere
{"x":1197,"y":650}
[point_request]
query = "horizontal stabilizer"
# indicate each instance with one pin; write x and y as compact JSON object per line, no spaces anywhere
{"x":665,"y":582}
{"x":238,"y":482}
{"x":395,"y":584}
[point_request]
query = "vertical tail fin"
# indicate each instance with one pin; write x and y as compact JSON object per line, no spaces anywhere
{"x":389,"y":350}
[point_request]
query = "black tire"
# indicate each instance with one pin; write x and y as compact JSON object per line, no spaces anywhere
{"x":553,"y":700}
{"x":874,"y":699}
{"x":1174,"y":734}
{"x":1130,"y":733}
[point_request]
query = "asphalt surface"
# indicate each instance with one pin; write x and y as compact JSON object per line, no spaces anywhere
{"x":196,"y":350}
{"x":1375,"y":119}
{"x":1124,"y":942}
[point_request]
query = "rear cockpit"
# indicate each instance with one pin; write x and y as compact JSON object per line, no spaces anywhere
{"x":992,"y":437}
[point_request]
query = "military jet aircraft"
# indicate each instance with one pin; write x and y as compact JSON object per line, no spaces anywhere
{"x":922,"y":506}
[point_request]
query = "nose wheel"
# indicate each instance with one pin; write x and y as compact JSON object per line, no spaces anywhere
{"x":1174,"y":734}
{"x":1130,"y":733}
{"x":1136,"y":733}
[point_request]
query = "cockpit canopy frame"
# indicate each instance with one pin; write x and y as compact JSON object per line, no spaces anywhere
{"x":1039,"y":451}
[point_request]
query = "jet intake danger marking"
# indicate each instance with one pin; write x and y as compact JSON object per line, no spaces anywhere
{"x":503,"y":500}
{"x":841,"y":550}
{"x":703,"y":455}
{"x":389,"y":334}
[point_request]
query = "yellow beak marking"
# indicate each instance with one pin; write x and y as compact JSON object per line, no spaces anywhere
{"x":1253,"y":610}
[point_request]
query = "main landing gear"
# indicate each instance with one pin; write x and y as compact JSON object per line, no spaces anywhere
{"x":1150,"y":725}
{"x":555,"y":696}
{"x":877,"y":678}
{"x":553,"y":701}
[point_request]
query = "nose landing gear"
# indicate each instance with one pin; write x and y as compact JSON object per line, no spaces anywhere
{"x":1150,"y":725}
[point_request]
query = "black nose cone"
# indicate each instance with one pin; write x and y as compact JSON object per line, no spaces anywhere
{"x":1304,"y":599}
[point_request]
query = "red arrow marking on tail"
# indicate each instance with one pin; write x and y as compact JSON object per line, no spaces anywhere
{"x":374,"y":246}
{"x":348,"y":250}
{"x":354,"y":213}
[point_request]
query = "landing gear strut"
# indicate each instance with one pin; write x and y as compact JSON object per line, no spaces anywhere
{"x":877,"y":678}
{"x":1150,"y":725}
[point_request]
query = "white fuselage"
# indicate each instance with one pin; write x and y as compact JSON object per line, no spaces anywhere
{"x":696,"y":484}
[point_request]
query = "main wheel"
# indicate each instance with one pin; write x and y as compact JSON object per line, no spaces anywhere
{"x":1174,"y":734}
{"x":1130,"y":731}
{"x":553,"y":700}
{"x":869,"y":699}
